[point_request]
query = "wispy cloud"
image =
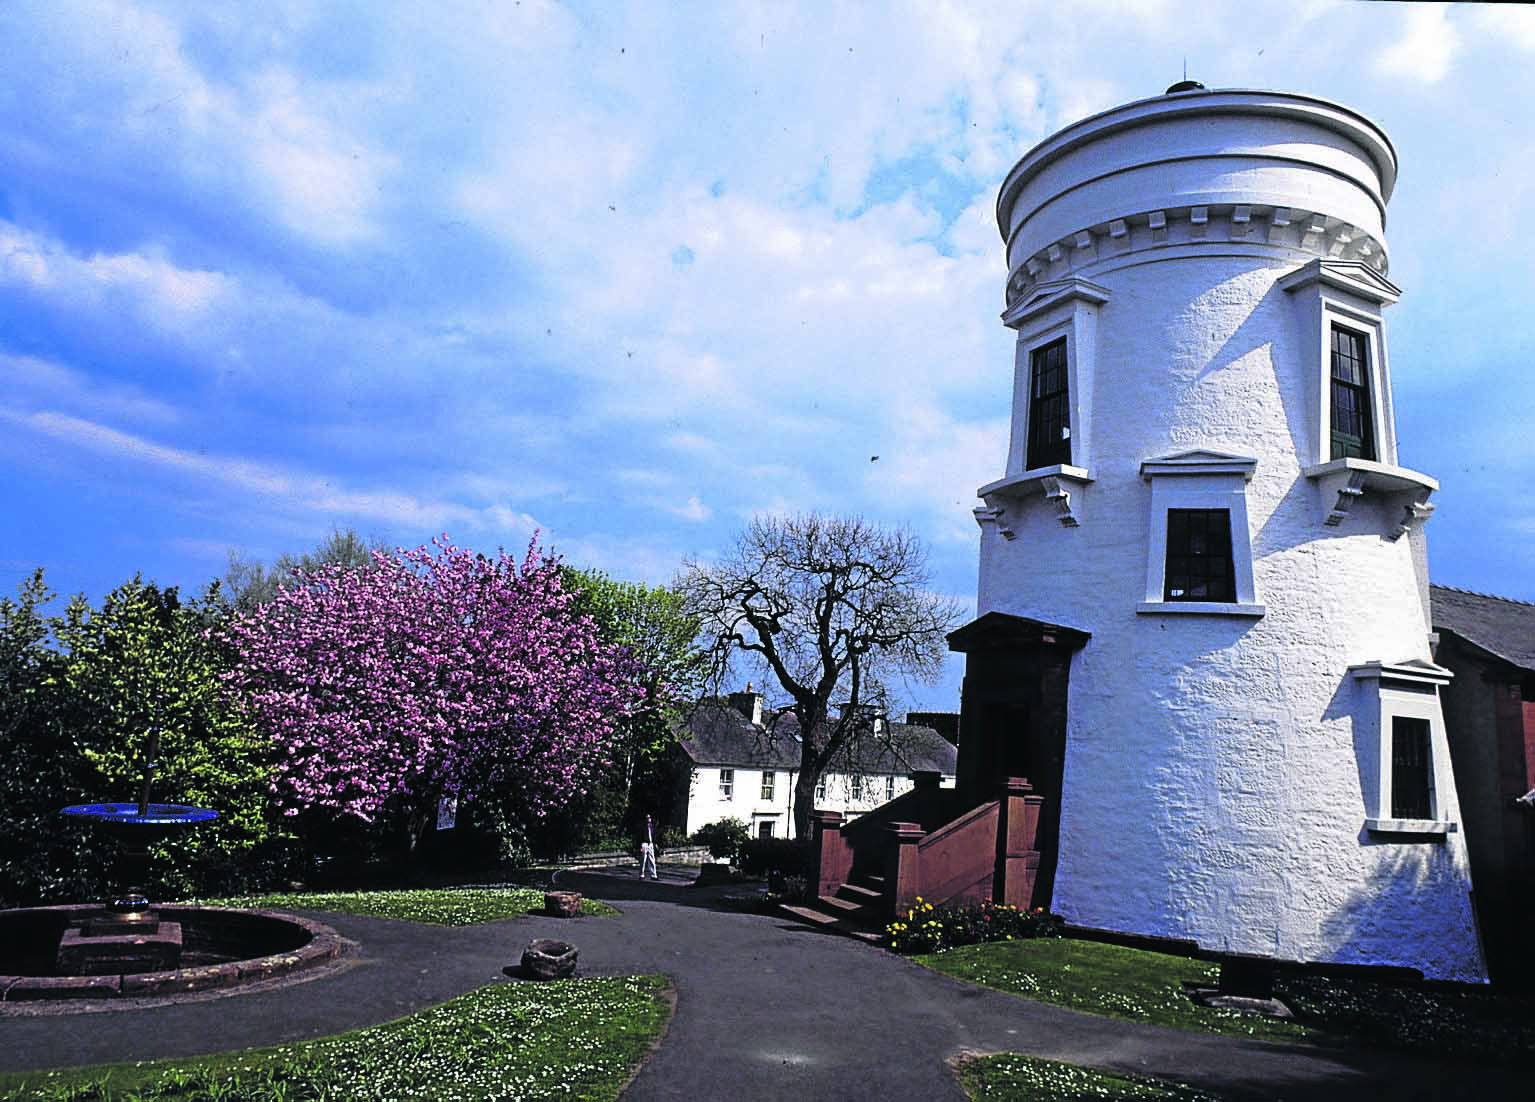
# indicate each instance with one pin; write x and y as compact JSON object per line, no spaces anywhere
{"x":272,"y":487}
{"x":1427,"y":47}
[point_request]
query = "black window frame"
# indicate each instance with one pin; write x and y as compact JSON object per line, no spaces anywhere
{"x":1049,"y":442}
{"x":1352,"y":421}
{"x":1412,"y":768}
{"x":1199,"y":565}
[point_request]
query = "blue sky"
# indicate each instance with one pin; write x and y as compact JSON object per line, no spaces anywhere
{"x":628,"y":275}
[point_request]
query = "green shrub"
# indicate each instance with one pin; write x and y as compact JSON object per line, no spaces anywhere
{"x":672,"y":837}
{"x":724,"y":838}
{"x":761,"y":856}
{"x":927,"y":929}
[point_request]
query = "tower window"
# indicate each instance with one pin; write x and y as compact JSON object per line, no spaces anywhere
{"x":1412,"y":775}
{"x":1199,"y":566}
{"x":1353,"y":434}
{"x":1199,"y":555}
{"x":1402,"y":728}
{"x":1049,"y":411}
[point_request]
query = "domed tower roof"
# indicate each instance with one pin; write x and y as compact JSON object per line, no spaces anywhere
{"x":1265,"y":153}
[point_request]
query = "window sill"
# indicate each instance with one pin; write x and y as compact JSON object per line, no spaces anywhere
{"x":1055,"y":484}
{"x":1344,"y":481}
{"x":1411,"y":826}
{"x":1202,"y":608}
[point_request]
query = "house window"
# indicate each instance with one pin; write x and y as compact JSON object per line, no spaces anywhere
{"x":855,"y":786}
{"x":889,"y":789}
{"x":1198,"y":564}
{"x":727,"y":784}
{"x":1412,"y":777}
{"x":1199,"y":555}
{"x":820,"y":790}
{"x":1049,"y":412}
{"x":765,"y":828}
{"x":1353,"y":436}
{"x":769,"y":783}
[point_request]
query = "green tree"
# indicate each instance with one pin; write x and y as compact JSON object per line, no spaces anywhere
{"x":42,"y":856}
{"x":653,"y":624}
{"x":84,"y":695}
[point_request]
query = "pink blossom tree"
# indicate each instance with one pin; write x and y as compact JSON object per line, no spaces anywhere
{"x":439,"y":672}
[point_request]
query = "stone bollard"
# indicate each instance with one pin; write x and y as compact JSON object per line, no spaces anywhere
{"x":562,"y":904}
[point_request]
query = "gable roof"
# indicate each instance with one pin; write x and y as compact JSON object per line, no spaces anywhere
{"x":718,"y":734}
{"x":1502,"y":627}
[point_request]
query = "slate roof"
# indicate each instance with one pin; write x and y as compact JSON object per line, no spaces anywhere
{"x":718,"y":734}
{"x":1500,"y":626}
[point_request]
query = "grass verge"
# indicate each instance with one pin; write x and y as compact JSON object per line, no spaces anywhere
{"x":433,"y":906}
{"x":1138,"y":985}
{"x":579,"y":1038}
{"x":1008,"y":1077}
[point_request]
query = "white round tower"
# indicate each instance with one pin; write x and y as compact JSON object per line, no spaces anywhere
{"x":1202,"y":504}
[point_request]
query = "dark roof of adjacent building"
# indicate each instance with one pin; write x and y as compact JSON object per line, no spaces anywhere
{"x":719,"y":734}
{"x":1500,"y":626}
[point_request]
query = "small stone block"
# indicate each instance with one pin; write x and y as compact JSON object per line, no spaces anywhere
{"x":1247,"y":976}
{"x":562,"y":904}
{"x":130,"y":947}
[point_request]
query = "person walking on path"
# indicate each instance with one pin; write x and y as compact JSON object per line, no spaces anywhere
{"x":648,"y":853}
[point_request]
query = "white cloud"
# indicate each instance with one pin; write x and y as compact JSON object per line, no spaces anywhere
{"x":693,"y":510}
{"x":263,"y":486}
{"x":1510,"y":23}
{"x":1427,"y":48}
{"x":29,"y":382}
{"x":159,"y":291}
{"x":323,"y":181}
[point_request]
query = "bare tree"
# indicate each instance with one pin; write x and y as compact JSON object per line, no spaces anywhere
{"x":834,"y":608}
{"x":249,"y":583}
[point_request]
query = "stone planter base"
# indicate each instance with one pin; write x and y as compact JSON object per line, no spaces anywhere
{"x":562,"y":904}
{"x":547,"y":959}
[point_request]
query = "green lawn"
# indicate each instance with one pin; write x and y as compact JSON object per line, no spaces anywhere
{"x":578,"y":1038}
{"x":1010,"y":1077}
{"x":1137,"y":985}
{"x":1105,"y":979}
{"x":436,"y":906}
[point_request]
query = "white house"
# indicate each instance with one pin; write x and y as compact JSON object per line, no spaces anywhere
{"x":745,"y":762}
{"x":1203,"y":623}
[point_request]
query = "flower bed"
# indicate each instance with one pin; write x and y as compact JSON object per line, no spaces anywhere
{"x":928,"y":929}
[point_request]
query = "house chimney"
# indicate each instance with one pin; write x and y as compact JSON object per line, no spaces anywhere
{"x":749,"y":704}
{"x":869,"y":712}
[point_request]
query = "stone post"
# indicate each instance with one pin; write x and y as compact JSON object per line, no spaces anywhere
{"x":926,"y":782}
{"x":832,"y":854}
{"x":1017,"y":859}
{"x":903,"y":870}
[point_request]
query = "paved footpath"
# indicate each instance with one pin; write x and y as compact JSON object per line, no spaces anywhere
{"x":767,"y":1009}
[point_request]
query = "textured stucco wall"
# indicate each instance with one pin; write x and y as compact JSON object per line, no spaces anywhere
{"x":1219,"y":769}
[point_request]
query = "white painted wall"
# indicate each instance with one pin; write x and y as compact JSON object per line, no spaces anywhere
{"x":1217,"y":770}
{"x":706,"y":805}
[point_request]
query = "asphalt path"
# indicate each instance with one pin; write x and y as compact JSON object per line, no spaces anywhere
{"x":767,"y":1009}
